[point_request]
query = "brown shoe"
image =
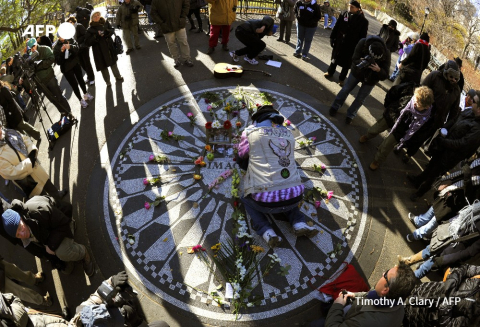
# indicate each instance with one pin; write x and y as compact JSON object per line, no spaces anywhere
{"x":374,"y":165}
{"x":39,"y":277}
{"x":363,"y":139}
{"x":210,"y":50}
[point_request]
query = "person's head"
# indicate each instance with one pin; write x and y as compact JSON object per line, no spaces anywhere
{"x":9,"y":61}
{"x":96,"y":15}
{"x":3,"y":70}
{"x":451,"y":72}
{"x":72,"y":20}
{"x":459,"y":62}
{"x":397,"y":282}
{"x":392,"y":24}
{"x":32,"y":44}
{"x":423,"y":98}
{"x":476,"y":104}
{"x":469,"y":98}
{"x":425,"y":37}
{"x":354,"y":7}
{"x":14,"y":225}
{"x":326,"y":3}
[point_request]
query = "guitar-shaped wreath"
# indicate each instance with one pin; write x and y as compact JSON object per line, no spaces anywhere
{"x":224,"y":70}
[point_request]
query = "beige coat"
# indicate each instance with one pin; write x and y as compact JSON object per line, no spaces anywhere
{"x":13,"y":169}
{"x":221,"y":12}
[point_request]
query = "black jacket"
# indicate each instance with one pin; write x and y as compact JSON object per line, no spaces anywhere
{"x":80,"y":34}
{"x":391,"y":37}
{"x":48,"y":223}
{"x":395,"y":100}
{"x":83,"y":16}
{"x":250,"y":26}
{"x":349,"y":29}
{"x":13,"y":112}
{"x":460,"y":284}
{"x":103,"y":50}
{"x":66,"y":64}
{"x":307,"y":14}
{"x":415,"y":63}
{"x":367,"y":75}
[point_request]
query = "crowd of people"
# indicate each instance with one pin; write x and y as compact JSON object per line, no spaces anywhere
{"x":431,"y":113}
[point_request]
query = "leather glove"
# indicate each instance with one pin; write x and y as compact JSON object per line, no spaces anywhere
{"x":332,"y":43}
{"x":120,"y":280}
{"x":32,"y":156}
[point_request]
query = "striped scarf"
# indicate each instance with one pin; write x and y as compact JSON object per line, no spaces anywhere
{"x":464,"y":223}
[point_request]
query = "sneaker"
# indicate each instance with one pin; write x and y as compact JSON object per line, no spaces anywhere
{"x":374,"y":165}
{"x":363,"y":139}
{"x":348,"y":120}
{"x":234,"y":56}
{"x":304,"y":58}
{"x":47,"y":300}
{"x":302,"y":229}
{"x":188,"y":63}
{"x":411,"y":217}
{"x":341,"y":83}
{"x":332,"y":112}
{"x":83,"y":103}
{"x":250,"y":61}
{"x":297,"y":55}
{"x":271,"y":238}
{"x":410,"y":238}
{"x":225,"y":47}
{"x":39,"y":277}
{"x":177,"y":63}
{"x":87,"y":97}
{"x":210,"y":50}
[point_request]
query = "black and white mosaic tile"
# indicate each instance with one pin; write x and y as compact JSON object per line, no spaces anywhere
{"x":159,"y":258}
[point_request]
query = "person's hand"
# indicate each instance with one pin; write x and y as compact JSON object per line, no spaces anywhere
{"x":342,"y":298}
{"x":20,"y":81}
{"x":445,"y":184}
{"x":67,"y":46}
{"x":399,"y":65}
{"x":260,"y":30}
{"x":63,"y":48}
{"x":49,"y":251}
{"x":120,"y":279}
{"x":374,"y":67}
{"x":332,"y":43}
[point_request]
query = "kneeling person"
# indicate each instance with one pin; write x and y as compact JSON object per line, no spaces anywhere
{"x":272,"y":183}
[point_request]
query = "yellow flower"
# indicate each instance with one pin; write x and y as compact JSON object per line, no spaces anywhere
{"x":208,"y":147}
{"x":216,"y":247}
{"x":257,"y":249}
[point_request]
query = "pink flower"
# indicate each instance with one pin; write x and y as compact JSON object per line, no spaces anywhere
{"x":189,"y":115}
{"x":145,"y":181}
{"x":323,"y":167}
{"x":170,"y":133}
{"x":317,"y":204}
{"x":287,"y":122}
{"x":329,"y":195}
{"x":313,"y":138}
{"x":209,"y":108}
{"x":151,"y":158}
{"x":147,"y":205}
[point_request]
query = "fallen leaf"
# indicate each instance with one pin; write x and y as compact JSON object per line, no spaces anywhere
{"x":219,"y":287}
{"x":190,"y":250}
{"x":166,"y":239}
{"x":180,"y":253}
{"x":310,"y":223}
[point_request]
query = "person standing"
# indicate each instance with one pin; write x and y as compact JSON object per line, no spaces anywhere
{"x":147,"y":4}
{"x":171,"y":17}
{"x":83,"y":50}
{"x":407,"y":46}
{"x":328,"y":13}
{"x":99,"y":37}
{"x":390,"y":35}
{"x":412,"y":67}
{"x":308,"y":14}
{"x":195,"y":10}
{"x":83,"y":16}
{"x":287,"y":17}
{"x":221,"y":13}
{"x":250,"y":34}
{"x":351,"y":27}
{"x":127,"y":19}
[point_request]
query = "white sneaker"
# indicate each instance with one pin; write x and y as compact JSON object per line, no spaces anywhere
{"x":302,"y":229}
{"x":271,"y":238}
{"x":250,"y":61}
{"x":234,"y":56}
{"x":83,"y":103}
{"x":87,"y":97}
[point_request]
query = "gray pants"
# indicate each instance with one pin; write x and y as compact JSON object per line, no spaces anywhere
{"x":128,"y":31}
{"x":106,"y":74}
{"x":24,"y":293}
{"x":181,"y":37}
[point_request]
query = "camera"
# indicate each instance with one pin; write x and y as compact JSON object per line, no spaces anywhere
{"x":349,"y":300}
{"x":367,"y":61}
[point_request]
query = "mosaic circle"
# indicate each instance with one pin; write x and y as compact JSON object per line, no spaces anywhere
{"x":153,"y":242}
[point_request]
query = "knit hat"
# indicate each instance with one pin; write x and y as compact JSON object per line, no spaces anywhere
{"x":376,"y":50}
{"x":451,"y":70}
{"x":11,"y":220}
{"x":94,"y":12}
{"x":413,"y":36}
{"x":31,"y":43}
{"x":458,"y":61}
{"x":356,"y":4}
{"x":425,"y":37}
{"x":392,"y":23}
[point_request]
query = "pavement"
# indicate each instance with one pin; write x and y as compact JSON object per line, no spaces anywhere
{"x":86,"y":161}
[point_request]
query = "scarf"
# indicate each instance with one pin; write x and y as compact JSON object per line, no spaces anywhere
{"x":101,"y":22}
{"x":423,"y":42}
{"x":419,"y":118}
{"x":15,"y":140}
{"x":464,"y":223}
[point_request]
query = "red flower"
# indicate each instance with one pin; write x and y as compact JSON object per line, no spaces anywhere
{"x":234,"y":159}
{"x":208,"y":125}
{"x":227,"y":124}
{"x":235,"y":204}
{"x":238,"y":124}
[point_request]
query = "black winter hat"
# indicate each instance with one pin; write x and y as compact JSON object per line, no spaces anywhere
{"x":376,"y":50}
{"x":425,"y":37}
{"x":392,"y":23}
{"x":356,"y":4}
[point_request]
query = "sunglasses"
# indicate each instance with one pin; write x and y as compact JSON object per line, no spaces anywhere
{"x":385,"y":275}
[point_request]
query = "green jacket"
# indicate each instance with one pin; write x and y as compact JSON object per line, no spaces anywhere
{"x":125,"y":17}
{"x":44,"y":70}
{"x":170,"y":15}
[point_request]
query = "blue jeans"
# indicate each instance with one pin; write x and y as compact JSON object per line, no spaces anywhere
{"x":20,"y":101}
{"x":397,"y":70}
{"x":334,"y":20}
{"x":304,"y":39}
{"x":147,"y":9}
{"x":257,"y":213}
{"x":362,"y":94}
{"x":426,"y":223}
{"x":426,"y":266}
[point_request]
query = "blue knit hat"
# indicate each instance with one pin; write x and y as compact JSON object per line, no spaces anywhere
{"x":11,"y":220}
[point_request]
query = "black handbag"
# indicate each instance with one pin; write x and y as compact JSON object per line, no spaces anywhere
{"x":117,"y":44}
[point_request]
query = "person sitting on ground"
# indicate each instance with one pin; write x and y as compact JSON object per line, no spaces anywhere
{"x":416,"y":113}
{"x":18,"y":162}
{"x":390,"y":35}
{"x":272,"y":181}
{"x":452,"y":243}
{"x":394,"y":286}
{"x":453,"y":192}
{"x":11,"y":272}
{"x":328,"y":13}
{"x":250,"y":34}
{"x":171,"y":18}
{"x":41,"y":220}
{"x":308,"y":14}
{"x":14,"y":114}
{"x":460,"y":284}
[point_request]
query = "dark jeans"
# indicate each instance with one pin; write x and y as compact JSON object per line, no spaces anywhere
{"x":86,"y":64}
{"x":286,"y":28}
{"x":75,"y":77}
{"x":343,"y":74}
{"x":253,"y":44}
{"x":196,"y":12}
{"x":58,"y":99}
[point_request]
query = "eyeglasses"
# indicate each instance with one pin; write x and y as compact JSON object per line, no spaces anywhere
{"x":385,"y":275}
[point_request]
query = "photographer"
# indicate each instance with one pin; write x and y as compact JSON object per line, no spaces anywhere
{"x":84,"y":51}
{"x":12,"y":76}
{"x":127,"y":19}
{"x":43,"y":61}
{"x":370,"y":64}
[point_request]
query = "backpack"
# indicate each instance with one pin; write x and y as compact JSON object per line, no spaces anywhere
{"x":117,"y":44}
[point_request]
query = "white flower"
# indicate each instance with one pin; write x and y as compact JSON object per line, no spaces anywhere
{"x":216,"y":124}
{"x":249,"y":304}
{"x":236,"y":296}
{"x":332,"y":255}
